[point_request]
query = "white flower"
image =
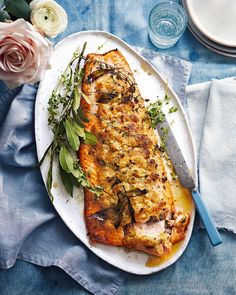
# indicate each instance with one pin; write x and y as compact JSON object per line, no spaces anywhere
{"x":48,"y":17}
{"x":24,"y":53}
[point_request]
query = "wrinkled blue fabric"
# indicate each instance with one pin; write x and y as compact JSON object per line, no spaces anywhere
{"x":30,"y":229}
{"x":202,"y":269}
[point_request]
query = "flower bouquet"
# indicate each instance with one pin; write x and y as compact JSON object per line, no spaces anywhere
{"x":25,"y":27}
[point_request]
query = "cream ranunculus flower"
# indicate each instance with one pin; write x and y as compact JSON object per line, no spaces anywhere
{"x":24,"y":53}
{"x":48,"y":17}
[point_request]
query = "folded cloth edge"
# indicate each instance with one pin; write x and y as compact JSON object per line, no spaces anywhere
{"x":204,"y":88}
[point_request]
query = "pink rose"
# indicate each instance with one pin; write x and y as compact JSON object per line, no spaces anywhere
{"x":24,"y":53}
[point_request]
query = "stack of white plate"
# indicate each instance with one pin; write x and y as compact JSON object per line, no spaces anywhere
{"x":213,"y":23}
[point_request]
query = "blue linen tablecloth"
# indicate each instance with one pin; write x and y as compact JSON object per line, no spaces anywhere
{"x":30,"y":229}
{"x":202,"y":270}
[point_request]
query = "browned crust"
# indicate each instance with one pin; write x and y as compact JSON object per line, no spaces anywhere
{"x":104,"y":231}
{"x":85,"y":152}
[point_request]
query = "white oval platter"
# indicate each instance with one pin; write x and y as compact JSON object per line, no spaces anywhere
{"x":151,"y":85}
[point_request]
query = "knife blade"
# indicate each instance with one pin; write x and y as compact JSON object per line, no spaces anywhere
{"x":185,"y":177}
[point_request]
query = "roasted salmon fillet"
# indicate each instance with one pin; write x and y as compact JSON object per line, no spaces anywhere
{"x":136,"y":207}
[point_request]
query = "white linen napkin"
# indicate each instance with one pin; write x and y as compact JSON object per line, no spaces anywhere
{"x":212,"y":113}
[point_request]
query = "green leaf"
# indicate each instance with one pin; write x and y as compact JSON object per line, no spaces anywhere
{"x":84,"y":182}
{"x":66,"y":160}
{"x":79,"y":76}
{"x":120,"y":209}
{"x":4,"y":15}
{"x":67,"y":181}
{"x":155,"y":113}
{"x":49,"y":180}
{"x":97,"y":190}
{"x":173,"y":109}
{"x":81,"y":55}
{"x":86,"y":98}
{"x":90,"y":138}
{"x":77,"y":173}
{"x":82,"y":115}
{"x":76,"y":99}
{"x":72,"y":136}
{"x":19,"y":8}
{"x":75,"y":181}
{"x":79,"y":130}
{"x":77,"y":119}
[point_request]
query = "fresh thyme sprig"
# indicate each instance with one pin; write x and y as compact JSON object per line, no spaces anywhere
{"x":66,"y":119}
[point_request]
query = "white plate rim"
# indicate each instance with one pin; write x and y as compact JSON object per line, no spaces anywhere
{"x":210,"y":47}
{"x":211,"y":43}
{"x":173,"y":94}
{"x":205,"y":30}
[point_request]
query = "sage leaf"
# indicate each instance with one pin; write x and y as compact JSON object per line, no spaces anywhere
{"x":19,"y":8}
{"x":90,"y":138}
{"x":72,"y":136}
{"x":4,"y":15}
{"x":79,"y":130}
{"x":120,"y":209}
{"x":86,"y":98}
{"x":84,"y":182}
{"x":77,"y":119}
{"x":106,"y":97}
{"x":76,"y":99}
{"x":67,"y":181}
{"x":74,"y":180}
{"x":77,"y":173}
{"x":97,"y":190}
{"x":131,"y":211}
{"x":66,"y":120}
{"x":66,"y":160}
{"x":82,"y":115}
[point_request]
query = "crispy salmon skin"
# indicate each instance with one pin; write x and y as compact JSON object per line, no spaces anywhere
{"x":136,"y":207}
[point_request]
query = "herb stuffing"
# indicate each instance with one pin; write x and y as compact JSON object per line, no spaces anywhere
{"x":66,"y":120}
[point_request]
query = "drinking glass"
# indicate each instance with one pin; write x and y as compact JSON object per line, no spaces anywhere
{"x":167,"y":22}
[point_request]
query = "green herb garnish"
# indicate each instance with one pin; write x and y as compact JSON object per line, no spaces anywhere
{"x":66,"y":120}
{"x":157,"y":117}
{"x":173,"y":109}
{"x":155,"y":113}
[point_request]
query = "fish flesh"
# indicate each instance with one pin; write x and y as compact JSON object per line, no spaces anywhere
{"x":136,"y":208}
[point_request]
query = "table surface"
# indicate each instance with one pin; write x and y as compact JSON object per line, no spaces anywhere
{"x":202,"y":269}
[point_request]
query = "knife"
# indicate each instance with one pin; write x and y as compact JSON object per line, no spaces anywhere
{"x":184,"y":175}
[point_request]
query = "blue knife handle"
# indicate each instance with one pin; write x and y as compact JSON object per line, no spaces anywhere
{"x":211,"y":229}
